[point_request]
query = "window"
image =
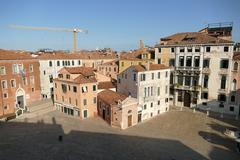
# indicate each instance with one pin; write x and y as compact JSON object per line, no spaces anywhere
{"x":60,"y":75}
{"x":85,"y":113}
{"x":196,"y":61}
{"x":180,"y":79}
{"x":226,"y":49}
{"x":67,"y":76}
{"x":94,"y":87}
{"x":69,"y":87}
{"x":79,"y":62}
{"x":205,"y":81}
{"x":145,"y":92}
{"x":2,"y":70}
{"x":17,"y":68}
{"x":151,"y":91}
{"x":152,"y":76}
{"x":50,"y":78}
{"x":189,"y":49}
{"x":134,"y":77}
{"x":182,"y":50}
{"x":159,"y":61}
{"x":151,"y":105}
{"x":232,"y":98}
{"x":204,"y":103}
{"x":166,"y":100}
{"x":31,"y":68}
{"x":24,"y":80}
{"x":181,"y":61}
{"x":222,"y":97}
{"x":145,"y":106}
{"x":224,"y":64}
{"x":74,"y":89}
{"x":76,"y":102}
{"x":166,"y":89}
{"x":172,"y":62}
{"x":143,"y":77}
{"x":159,"y":75}
{"x":64,"y":88}
{"x":94,"y":100}
{"x":171,"y":78}
{"x":187,"y":81}
{"x":180,"y":96}
{"x":4,"y":84}
{"x":44,"y":72}
{"x":119,"y":80}
{"x":122,"y":64}
{"x":72,"y":62}
{"x":234,"y":85}
{"x":158,"y":91}
{"x":206,"y":63}
{"x":159,"y":50}
{"x":5,"y":95}
{"x":84,"y":89}
{"x":125,"y":75}
{"x":231,"y":108}
{"x":189,"y":61}
{"x":55,"y":85}
{"x":58,"y":63}
{"x":85,"y":102}
{"x":197,"y":49}
{"x":50,"y":63}
{"x":158,"y":102}
{"x":172,"y":50}
{"x":69,"y":63}
{"x":235,"y":66}
{"x":208,"y":49}
{"x":205,"y":95}
{"x":166,"y":74}
{"x":63,"y":63}
{"x":223,"y":82}
{"x":31,"y":79}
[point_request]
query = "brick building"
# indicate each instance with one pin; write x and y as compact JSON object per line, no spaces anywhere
{"x":75,"y":92}
{"x":20,"y":82}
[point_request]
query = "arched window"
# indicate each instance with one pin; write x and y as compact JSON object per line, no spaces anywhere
{"x":235,"y":66}
{"x":234,"y":85}
{"x":232,"y":98}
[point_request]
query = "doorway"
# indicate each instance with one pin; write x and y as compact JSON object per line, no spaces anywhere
{"x":139,"y":117}
{"x":187,"y":99}
{"x":20,"y":101}
{"x":129,"y":120}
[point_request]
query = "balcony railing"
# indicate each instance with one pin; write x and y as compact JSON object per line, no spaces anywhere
{"x":206,"y":71}
{"x":223,"y":71}
{"x":222,"y":90}
{"x":188,"y":68}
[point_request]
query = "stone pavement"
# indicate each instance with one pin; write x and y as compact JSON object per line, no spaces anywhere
{"x":176,"y":135}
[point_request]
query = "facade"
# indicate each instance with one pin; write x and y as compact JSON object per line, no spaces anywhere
{"x":234,"y":96}
{"x":109,"y":69}
{"x":51,"y":63}
{"x":75,"y":92}
{"x":150,"y":85}
{"x":117,"y":109}
{"x":20,"y":82}
{"x":202,"y":72}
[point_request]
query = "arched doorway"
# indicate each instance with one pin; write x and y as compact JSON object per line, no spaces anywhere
{"x":20,"y":98}
{"x":187,"y":99}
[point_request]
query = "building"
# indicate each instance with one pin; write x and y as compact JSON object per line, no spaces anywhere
{"x":234,"y":96}
{"x":109,"y":69}
{"x":75,"y":92}
{"x":202,"y":70}
{"x":20,"y":82}
{"x":117,"y":109}
{"x":150,"y":85}
{"x":110,"y":85}
{"x":51,"y":63}
{"x":138,"y":57}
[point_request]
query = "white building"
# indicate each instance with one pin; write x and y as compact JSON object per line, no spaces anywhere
{"x":150,"y":85}
{"x":202,"y":72}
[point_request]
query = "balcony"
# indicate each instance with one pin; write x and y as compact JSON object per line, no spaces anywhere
{"x":223,"y":71}
{"x":206,"y":71}
{"x":190,"y":88}
{"x":188,"y":68}
{"x":222,"y":90}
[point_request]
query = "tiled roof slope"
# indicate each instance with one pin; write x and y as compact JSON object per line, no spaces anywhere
{"x":111,"y":97}
{"x":14,"y":55}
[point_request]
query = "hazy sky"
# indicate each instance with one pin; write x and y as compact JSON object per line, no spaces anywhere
{"x":116,"y":24}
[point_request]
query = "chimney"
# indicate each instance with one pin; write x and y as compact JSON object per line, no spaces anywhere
{"x":148,"y":66}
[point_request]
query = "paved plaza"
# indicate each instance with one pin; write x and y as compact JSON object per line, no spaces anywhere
{"x":176,"y":135}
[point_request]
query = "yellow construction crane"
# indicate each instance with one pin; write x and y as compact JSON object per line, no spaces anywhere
{"x":75,"y":31}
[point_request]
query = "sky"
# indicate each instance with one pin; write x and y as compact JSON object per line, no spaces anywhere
{"x":117,"y":24}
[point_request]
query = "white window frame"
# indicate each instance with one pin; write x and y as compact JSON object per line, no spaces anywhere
{"x":6,"y":84}
{"x":14,"y":83}
{"x":2,"y":68}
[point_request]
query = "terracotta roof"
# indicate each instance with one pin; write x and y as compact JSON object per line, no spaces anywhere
{"x":236,"y":56}
{"x":192,"y":38}
{"x":83,"y":79}
{"x":134,"y":55}
{"x":111,"y":97}
{"x":141,"y":68}
{"x":86,"y":71}
{"x":114,"y":62}
{"x":78,"y":55}
{"x":14,"y":55}
{"x":106,"y":85}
